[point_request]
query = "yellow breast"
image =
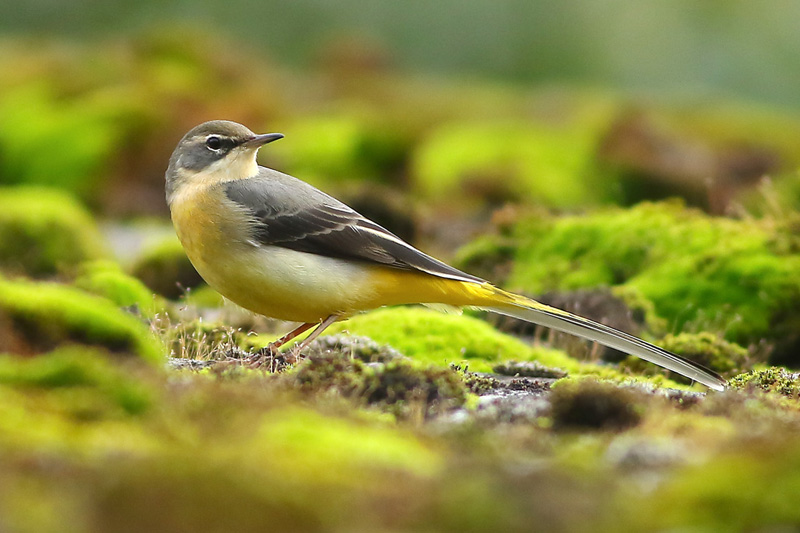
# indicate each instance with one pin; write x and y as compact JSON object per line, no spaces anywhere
{"x":269,"y":280}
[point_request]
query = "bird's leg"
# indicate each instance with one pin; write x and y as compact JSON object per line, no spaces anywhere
{"x":258,"y":359}
{"x":299,"y":330}
{"x":272,"y":349}
{"x":297,"y":348}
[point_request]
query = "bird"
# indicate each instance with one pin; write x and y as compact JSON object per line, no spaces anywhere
{"x":280,"y":247}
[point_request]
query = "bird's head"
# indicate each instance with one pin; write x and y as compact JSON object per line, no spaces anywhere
{"x":219,"y":150}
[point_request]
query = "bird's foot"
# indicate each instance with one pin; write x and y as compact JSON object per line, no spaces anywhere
{"x":271,"y":359}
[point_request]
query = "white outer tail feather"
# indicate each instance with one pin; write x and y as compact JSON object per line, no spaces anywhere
{"x":562,"y":321}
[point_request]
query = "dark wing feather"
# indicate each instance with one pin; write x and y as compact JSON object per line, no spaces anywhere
{"x":292,"y":214}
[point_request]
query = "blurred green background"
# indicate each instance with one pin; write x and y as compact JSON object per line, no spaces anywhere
{"x":729,"y":47}
{"x":566,"y":104}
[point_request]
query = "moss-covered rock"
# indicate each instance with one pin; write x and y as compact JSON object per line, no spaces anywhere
{"x":165,"y":268}
{"x":592,"y":404}
{"x":38,"y":317}
{"x":710,"y":273}
{"x":106,"y":279}
{"x":747,"y":488}
{"x":705,"y":348}
{"x":708,"y":350}
{"x":655,"y":159}
{"x":489,"y":257}
{"x":362,"y":348}
{"x":528,"y":369}
{"x":401,"y":386}
{"x":44,"y":232}
{"x":313,"y":444}
{"x":444,"y":339}
{"x":599,"y":304}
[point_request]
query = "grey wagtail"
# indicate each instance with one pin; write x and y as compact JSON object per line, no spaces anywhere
{"x":279,"y":247}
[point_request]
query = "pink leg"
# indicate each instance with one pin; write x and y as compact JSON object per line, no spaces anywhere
{"x":274,"y":345}
{"x":314,"y":334}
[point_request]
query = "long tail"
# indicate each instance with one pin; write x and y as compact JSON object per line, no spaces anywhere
{"x":532,"y":311}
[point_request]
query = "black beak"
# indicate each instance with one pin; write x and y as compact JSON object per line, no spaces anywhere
{"x":261,"y":140}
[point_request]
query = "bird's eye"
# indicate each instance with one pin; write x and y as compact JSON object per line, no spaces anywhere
{"x":214,"y":142}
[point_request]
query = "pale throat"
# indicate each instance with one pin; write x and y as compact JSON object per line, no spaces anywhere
{"x":240,"y":166}
{"x":237,"y":166}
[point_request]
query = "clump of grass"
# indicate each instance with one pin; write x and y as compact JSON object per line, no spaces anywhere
{"x":203,"y":341}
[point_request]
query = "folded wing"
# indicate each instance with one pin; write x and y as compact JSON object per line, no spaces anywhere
{"x":289,"y":213}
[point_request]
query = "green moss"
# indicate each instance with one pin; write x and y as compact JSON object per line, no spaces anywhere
{"x":469,"y":343}
{"x":444,"y":339}
{"x":708,"y":350}
{"x":711,"y":273}
{"x":774,"y":379}
{"x":400,"y":386}
{"x":77,"y":368}
{"x":489,"y":257}
{"x":203,"y":296}
{"x":165,"y":269}
{"x":44,"y":232}
{"x":106,"y":278}
{"x":480,"y":384}
{"x":347,"y":376}
{"x":37,"y":317}
{"x":592,"y":404}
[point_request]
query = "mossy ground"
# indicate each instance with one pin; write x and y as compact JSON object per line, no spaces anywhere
{"x":393,"y":445}
{"x":38,"y":317}
{"x":447,"y":339}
